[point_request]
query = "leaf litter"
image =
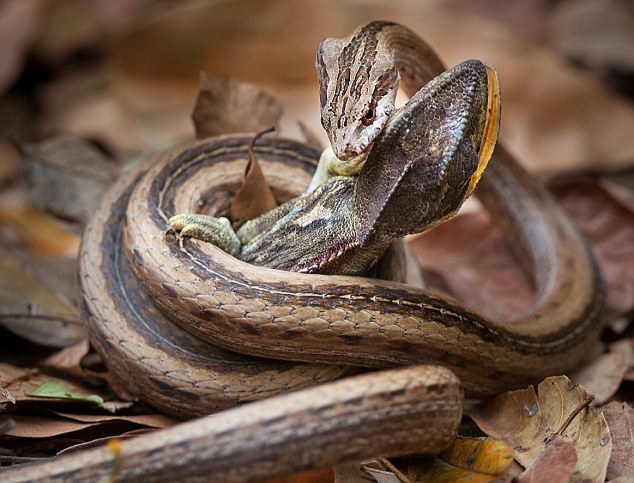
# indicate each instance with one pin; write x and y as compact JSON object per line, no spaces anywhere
{"x":564,"y":120}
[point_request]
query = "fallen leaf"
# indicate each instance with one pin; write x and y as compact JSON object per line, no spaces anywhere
{"x":30,"y":310}
{"x":555,"y":463}
{"x":525,"y":419}
{"x":254,"y":197}
{"x":66,"y":176}
{"x":68,"y":360}
{"x":603,"y":375}
{"x":53,"y":389}
{"x":53,"y":424}
{"x":467,"y":459}
{"x":36,"y":426}
{"x":227,"y":106}
{"x":483,"y":455}
{"x":21,"y":381}
{"x":620,"y":419}
{"x":153,"y":420}
{"x":435,"y":470}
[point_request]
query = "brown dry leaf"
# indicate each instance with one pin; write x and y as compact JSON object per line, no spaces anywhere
{"x":66,"y":176}
{"x":469,"y":251}
{"x":68,"y":360}
{"x":555,"y":463}
{"x":59,"y":423}
{"x":20,"y":381}
{"x":37,"y":426}
{"x":153,"y":420}
{"x":227,"y":106}
{"x":602,"y":376}
{"x":467,"y":459}
{"x":620,"y":418}
{"x":30,"y":310}
{"x":609,"y":226}
{"x":254,"y":198}
{"x":525,"y":419}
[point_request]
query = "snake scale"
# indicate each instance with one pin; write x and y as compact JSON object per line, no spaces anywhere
{"x":137,"y":281}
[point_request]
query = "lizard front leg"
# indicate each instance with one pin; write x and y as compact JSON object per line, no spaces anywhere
{"x":209,"y":229}
{"x":218,"y":230}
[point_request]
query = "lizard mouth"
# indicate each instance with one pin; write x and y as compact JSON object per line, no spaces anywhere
{"x":352,"y":166}
{"x":491,"y":127}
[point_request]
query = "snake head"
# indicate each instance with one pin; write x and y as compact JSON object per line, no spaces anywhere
{"x":357,"y":91}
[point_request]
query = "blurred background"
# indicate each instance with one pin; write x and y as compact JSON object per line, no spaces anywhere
{"x":121,"y":77}
{"x":124,"y":74}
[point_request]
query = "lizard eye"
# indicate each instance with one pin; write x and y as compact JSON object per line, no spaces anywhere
{"x":368,"y":115}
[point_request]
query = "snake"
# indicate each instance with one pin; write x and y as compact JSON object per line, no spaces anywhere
{"x":279,"y":338}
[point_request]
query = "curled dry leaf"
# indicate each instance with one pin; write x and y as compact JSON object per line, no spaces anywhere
{"x":525,"y":419}
{"x":255,"y":197}
{"x":227,"y":106}
{"x":66,"y":176}
{"x":603,"y":376}
{"x":30,"y":310}
{"x":68,"y":360}
{"x":620,"y":418}
{"x":555,"y":463}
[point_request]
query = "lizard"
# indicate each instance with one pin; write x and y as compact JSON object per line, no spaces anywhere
{"x":427,"y":162}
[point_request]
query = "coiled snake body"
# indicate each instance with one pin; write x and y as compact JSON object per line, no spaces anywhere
{"x":323,"y":320}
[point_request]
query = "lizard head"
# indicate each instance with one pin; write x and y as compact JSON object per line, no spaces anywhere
{"x":357,"y":90}
{"x":429,"y":158}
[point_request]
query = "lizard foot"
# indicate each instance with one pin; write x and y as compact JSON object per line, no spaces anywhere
{"x":209,"y":229}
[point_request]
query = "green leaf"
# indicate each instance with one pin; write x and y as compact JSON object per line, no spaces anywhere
{"x":52,"y":389}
